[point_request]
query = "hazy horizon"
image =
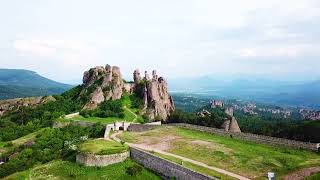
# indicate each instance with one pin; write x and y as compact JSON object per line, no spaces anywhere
{"x":61,"y":39}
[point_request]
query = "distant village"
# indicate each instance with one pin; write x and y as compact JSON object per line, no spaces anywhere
{"x":255,"y":109}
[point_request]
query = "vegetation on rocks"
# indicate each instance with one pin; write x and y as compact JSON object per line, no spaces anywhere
{"x":25,"y":120}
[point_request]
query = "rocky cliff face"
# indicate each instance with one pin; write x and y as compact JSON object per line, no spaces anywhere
{"x":102,"y":84}
{"x":158,"y":104}
{"x":11,"y":104}
{"x":106,"y":83}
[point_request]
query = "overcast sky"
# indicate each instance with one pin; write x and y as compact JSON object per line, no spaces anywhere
{"x":61,"y":38}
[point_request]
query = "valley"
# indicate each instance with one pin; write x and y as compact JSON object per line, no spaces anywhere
{"x":150,"y":90}
{"x":69,"y":131}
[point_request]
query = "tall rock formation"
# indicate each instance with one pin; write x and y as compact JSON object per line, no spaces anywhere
{"x":105,"y":83}
{"x":158,"y":104}
{"x":231,"y":124}
{"x":102,"y":84}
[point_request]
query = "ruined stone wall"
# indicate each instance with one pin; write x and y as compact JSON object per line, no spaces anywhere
{"x":58,"y":124}
{"x":101,"y":160}
{"x":140,"y":127}
{"x":165,"y":168}
{"x":252,"y":137}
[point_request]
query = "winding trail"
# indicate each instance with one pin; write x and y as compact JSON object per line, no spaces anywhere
{"x":135,"y":115}
{"x":147,"y":148}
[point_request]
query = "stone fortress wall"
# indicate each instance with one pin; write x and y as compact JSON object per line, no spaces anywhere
{"x":58,"y":124}
{"x":143,"y":127}
{"x":101,"y":160}
{"x":166,"y":169}
{"x":253,"y":137}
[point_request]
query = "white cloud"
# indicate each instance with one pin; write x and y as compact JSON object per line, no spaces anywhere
{"x":287,"y":51}
{"x":67,"y":50}
{"x":33,"y":48}
{"x":177,"y":37}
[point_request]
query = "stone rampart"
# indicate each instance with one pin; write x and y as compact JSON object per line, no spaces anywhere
{"x":141,"y":127}
{"x":101,"y":160}
{"x":61,"y":124}
{"x":165,"y":168}
{"x":252,"y":137}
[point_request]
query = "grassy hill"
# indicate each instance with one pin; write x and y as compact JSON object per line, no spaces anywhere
{"x":24,"y":83}
{"x":68,"y":170}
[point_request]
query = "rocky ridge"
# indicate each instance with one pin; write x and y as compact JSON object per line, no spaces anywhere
{"x":11,"y":104}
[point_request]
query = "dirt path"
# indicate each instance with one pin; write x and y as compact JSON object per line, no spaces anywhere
{"x":302,"y":174}
{"x":135,"y":115}
{"x":148,"y":148}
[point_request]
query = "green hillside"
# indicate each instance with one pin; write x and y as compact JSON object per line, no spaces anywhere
{"x":23,"y":83}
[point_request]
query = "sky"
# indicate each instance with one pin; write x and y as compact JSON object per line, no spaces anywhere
{"x":60,"y":39}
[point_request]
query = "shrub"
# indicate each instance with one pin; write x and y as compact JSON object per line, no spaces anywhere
{"x":158,"y":118}
{"x":134,"y":170}
{"x":8,"y":144}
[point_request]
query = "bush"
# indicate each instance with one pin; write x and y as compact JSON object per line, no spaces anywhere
{"x":136,"y":101}
{"x":49,"y":145}
{"x":134,"y":170}
{"x":106,"y":109}
{"x":8,"y":144}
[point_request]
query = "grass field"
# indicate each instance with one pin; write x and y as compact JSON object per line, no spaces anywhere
{"x":194,"y":167}
{"x":129,"y":117}
{"x":68,"y":170}
{"x":245,"y":158}
{"x":102,"y":147}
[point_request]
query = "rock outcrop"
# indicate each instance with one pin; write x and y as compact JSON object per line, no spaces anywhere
{"x":158,"y":104}
{"x":12,"y":104}
{"x":102,"y":84}
{"x":105,"y":83}
{"x":231,"y":124}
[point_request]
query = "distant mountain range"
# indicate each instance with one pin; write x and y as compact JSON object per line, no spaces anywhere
{"x":298,"y":94}
{"x":16,"y":83}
